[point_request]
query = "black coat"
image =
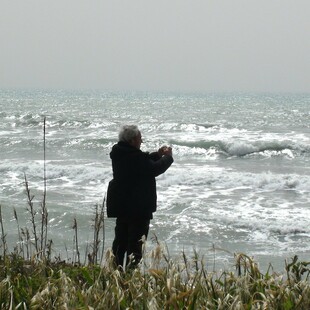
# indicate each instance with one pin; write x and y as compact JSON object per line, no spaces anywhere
{"x":132,"y":192}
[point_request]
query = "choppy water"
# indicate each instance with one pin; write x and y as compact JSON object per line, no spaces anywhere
{"x":240,"y":181}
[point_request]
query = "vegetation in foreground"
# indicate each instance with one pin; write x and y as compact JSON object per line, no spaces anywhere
{"x":159,"y":283}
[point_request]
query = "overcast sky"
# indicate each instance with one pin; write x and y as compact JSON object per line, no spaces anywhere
{"x":165,"y":45}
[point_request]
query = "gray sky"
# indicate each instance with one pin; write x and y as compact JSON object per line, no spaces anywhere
{"x":177,"y":45}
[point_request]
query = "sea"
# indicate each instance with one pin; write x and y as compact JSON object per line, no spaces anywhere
{"x":239,"y":183}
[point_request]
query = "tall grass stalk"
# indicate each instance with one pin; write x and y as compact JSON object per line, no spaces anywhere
{"x":32,"y":212}
{"x":26,"y":240}
{"x":76,"y":243}
{"x":99,"y":230}
{"x":3,"y":235}
{"x":20,"y":245}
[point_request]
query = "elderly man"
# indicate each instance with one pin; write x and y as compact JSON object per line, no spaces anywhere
{"x":131,"y":196}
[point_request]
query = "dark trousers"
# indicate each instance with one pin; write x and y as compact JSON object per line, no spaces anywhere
{"x":128,"y":238}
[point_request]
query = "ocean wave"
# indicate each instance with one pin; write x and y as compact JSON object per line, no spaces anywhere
{"x":199,"y":182}
{"x":24,"y":120}
{"x":56,"y":121}
{"x":245,"y":148}
{"x":177,"y":127}
{"x":78,"y":172}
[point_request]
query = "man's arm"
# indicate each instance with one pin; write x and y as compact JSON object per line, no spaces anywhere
{"x":157,"y":163}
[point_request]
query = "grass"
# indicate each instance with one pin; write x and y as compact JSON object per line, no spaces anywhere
{"x":31,"y":279}
{"x":160,"y":282}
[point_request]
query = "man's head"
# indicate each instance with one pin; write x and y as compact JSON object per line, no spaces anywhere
{"x":130,"y":134}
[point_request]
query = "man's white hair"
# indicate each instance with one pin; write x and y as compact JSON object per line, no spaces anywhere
{"x":128,"y":132}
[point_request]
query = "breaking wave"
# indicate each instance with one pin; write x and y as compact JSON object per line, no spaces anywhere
{"x":245,"y":148}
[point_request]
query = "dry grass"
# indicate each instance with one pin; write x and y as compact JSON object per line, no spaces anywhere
{"x":157,"y":283}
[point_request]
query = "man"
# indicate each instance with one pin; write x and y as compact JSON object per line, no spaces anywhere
{"x":131,"y":196}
